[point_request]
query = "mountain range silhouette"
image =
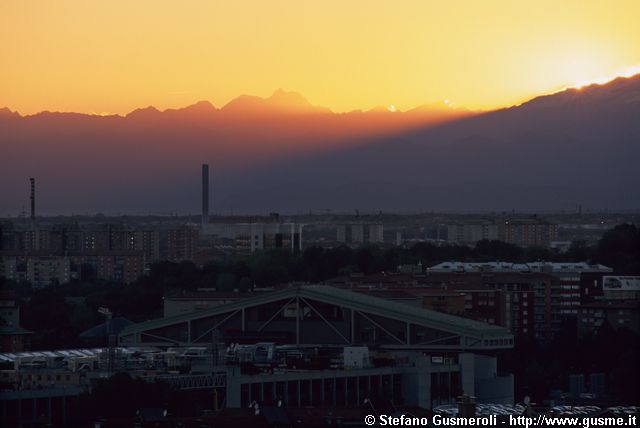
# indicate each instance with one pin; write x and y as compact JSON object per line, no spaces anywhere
{"x":577,"y":146}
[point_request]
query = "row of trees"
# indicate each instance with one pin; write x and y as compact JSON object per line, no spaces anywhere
{"x":619,"y":248}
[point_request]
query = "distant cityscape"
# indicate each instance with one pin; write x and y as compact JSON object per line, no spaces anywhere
{"x":414,"y":335}
{"x":43,"y":251}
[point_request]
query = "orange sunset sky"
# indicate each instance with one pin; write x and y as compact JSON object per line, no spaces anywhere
{"x":114,"y":56}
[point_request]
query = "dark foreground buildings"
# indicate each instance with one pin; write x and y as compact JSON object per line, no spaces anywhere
{"x":302,"y":346}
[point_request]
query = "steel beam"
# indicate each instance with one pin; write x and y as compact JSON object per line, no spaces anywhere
{"x":276,"y":314}
{"x":325,"y":320}
{"x":215,"y":326}
{"x":383,"y":329}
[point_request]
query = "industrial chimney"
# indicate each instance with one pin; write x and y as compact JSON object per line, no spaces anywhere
{"x":205,"y":194}
{"x":33,"y":198}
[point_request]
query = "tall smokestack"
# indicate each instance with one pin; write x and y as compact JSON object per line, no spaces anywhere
{"x":205,"y":194}
{"x":33,"y":198}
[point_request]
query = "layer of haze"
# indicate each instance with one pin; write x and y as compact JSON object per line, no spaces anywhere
{"x":115,"y":56}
